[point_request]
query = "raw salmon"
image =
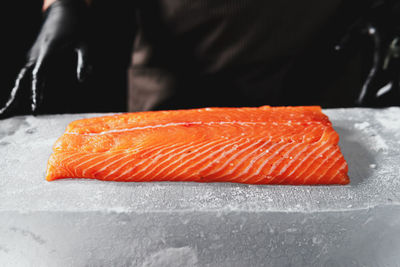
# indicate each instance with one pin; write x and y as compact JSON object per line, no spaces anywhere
{"x":264,"y":145}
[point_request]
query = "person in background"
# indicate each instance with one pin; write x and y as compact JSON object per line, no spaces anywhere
{"x":190,"y":54}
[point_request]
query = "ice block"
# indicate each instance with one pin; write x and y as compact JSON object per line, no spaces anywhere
{"x":76,"y":222}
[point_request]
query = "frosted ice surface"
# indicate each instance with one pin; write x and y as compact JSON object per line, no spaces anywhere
{"x":367,"y":138}
{"x":62,"y":223}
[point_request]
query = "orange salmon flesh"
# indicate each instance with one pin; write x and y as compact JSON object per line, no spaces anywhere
{"x":264,"y":145}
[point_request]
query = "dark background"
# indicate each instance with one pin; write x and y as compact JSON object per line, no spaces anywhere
{"x":105,"y":90}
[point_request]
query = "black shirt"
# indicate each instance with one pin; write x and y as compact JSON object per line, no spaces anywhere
{"x":194,"y":53}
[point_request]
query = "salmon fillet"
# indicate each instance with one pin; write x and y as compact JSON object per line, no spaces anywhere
{"x":264,"y":145}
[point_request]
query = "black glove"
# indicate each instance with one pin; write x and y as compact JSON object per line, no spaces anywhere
{"x":380,"y":24}
{"x":63,"y":30}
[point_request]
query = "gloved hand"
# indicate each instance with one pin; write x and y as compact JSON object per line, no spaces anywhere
{"x":380,"y":24}
{"x":63,"y":29}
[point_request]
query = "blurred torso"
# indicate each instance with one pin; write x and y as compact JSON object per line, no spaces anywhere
{"x":192,"y":53}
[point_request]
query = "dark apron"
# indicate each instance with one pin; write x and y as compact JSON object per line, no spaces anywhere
{"x":191,"y":53}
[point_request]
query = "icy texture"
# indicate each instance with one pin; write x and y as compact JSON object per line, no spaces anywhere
{"x":76,"y":222}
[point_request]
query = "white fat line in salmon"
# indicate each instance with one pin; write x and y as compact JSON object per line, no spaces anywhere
{"x":188,"y":124}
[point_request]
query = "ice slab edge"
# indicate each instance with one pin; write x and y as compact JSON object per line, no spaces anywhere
{"x":353,"y":238}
